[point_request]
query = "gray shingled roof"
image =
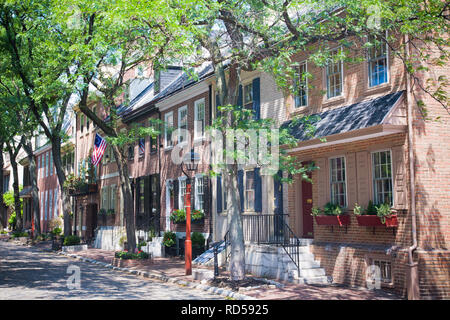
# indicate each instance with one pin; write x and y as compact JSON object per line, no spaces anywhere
{"x":353,"y":117}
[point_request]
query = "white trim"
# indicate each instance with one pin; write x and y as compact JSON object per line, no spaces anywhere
{"x":338,"y":48}
{"x":369,"y":87}
{"x":167,"y":115}
{"x":183,"y":95}
{"x":180,"y":109}
{"x":392,"y":174}
{"x":196,"y":103}
{"x":305,"y":62}
{"x":345,"y":181}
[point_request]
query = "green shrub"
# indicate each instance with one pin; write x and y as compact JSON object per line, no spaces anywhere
{"x":141,"y":244}
{"x":169,"y":238}
{"x":3,"y":232}
{"x":384,"y":210}
{"x":57,"y":231}
{"x":371,"y":209}
{"x":197,"y":215}
{"x":71,"y":240}
{"x":178,"y":216}
{"x":332,"y":209}
{"x":198,"y":240}
{"x":128,"y":255}
{"x":17,"y":234}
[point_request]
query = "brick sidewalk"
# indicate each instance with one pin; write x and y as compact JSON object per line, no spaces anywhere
{"x":174,"y":268}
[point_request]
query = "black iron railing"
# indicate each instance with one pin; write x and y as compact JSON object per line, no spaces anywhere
{"x":270,"y":229}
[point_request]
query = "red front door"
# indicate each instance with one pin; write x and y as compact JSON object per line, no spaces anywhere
{"x":306,"y":209}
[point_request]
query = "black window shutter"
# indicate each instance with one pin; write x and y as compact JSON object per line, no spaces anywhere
{"x":136,"y":195}
{"x":219,"y":194}
{"x":258,"y":191}
{"x":241,"y":187}
{"x":240,"y":97}
{"x":218,"y":113}
{"x":192,"y":193}
{"x":278,"y":193}
{"x":206,"y":193}
{"x":147,"y":195}
{"x":256,"y":99}
{"x":175,"y":194}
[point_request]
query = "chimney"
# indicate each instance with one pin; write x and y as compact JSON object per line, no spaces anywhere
{"x":163,"y":77}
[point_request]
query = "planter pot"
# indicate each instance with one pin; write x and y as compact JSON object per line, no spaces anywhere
{"x":200,"y":221}
{"x":170,"y":251}
{"x":342,"y":220}
{"x":375,"y":221}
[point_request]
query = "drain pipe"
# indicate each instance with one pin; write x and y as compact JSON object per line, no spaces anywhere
{"x":412,"y":281}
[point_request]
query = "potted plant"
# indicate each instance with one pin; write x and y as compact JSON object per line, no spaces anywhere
{"x":331,"y":215}
{"x":376,"y":215}
{"x":178,"y":216}
{"x":169,"y":242}
{"x":197,"y":216}
{"x":198,"y":244}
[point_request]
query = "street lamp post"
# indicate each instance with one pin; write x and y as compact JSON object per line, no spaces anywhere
{"x":190,"y":161}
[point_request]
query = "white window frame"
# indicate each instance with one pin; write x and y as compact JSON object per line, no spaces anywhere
{"x":55,"y":198}
{"x":250,"y":103}
{"x":180,"y":135}
{"x":50,"y":203}
{"x":46,"y":205}
{"x":246,"y":199}
{"x":345,"y":179}
{"x":370,"y":60}
{"x":373,"y":175}
{"x":166,"y":117}
{"x":199,"y":177}
{"x":297,"y":85}
{"x":39,"y":167}
{"x":169,"y":182}
{"x":181,"y":196}
{"x":196,"y":121}
{"x":341,"y":62}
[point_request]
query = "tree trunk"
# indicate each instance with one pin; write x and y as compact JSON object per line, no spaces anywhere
{"x":237,"y":258}
{"x":56,"y":151}
{"x":17,"y":204}
{"x":27,"y":146}
{"x":128,"y":203}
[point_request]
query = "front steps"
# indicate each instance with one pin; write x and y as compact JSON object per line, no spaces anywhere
{"x":273,"y":262}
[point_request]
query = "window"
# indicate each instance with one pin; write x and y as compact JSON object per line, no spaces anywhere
{"x":377,"y":62}
{"x":46,"y":164}
{"x":301,"y":86}
{"x":38,"y":167}
{"x":51,"y":164}
{"x":199,"y":193}
{"x":182,"y":124}
{"x":182,"y":193}
{"x":385,"y":270}
{"x":382,"y":177}
{"x":141,"y":144}
{"x":334,"y":75}
{"x":153,"y":140}
{"x":6,"y":183}
{"x":338,"y":181}
{"x":131,"y":152}
{"x":81,"y":123}
{"x":50,"y":202}
{"x":168,"y":119}
{"x":199,"y":118}
{"x":46,"y":204}
{"x":249,"y":190}
{"x":248,"y":96}
{"x":87,"y":123}
{"x":141,"y":196}
{"x":109,"y":197}
{"x":56,"y":202}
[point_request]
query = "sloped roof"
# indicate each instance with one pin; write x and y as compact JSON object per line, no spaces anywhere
{"x":349,"y":118}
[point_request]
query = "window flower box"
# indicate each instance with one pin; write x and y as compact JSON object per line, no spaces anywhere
{"x":342,"y":220}
{"x":375,"y":221}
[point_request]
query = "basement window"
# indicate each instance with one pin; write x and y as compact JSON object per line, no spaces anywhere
{"x":385,"y":268}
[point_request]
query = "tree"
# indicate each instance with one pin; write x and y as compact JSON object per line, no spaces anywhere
{"x":35,"y":50}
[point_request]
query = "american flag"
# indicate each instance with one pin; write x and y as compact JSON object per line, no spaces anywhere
{"x":99,"y":149}
{"x":142,"y":146}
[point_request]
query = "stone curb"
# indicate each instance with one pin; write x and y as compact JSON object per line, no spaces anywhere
{"x":145,"y":274}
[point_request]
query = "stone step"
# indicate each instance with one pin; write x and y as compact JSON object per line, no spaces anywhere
{"x":307,"y":256}
{"x":312,"y":280}
{"x":308,"y":273}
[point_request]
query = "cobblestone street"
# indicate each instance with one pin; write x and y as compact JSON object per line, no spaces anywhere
{"x":26,"y":273}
